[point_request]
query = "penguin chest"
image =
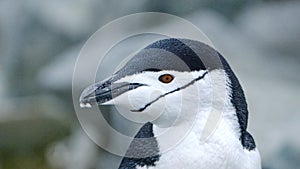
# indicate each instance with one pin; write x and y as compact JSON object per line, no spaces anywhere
{"x":191,"y":154}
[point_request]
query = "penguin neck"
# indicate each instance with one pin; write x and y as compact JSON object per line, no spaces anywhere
{"x":226,"y":133}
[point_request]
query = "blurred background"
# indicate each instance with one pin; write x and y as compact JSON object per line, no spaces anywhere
{"x":40,"y":41}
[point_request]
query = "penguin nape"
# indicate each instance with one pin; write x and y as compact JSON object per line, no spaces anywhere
{"x":174,"y":76}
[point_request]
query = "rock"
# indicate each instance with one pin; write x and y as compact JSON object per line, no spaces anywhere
{"x":73,"y":19}
{"x":26,"y":47}
{"x":286,"y":157}
{"x":57,"y":75}
{"x":78,"y":19}
{"x":273,"y":26}
{"x":78,"y":151}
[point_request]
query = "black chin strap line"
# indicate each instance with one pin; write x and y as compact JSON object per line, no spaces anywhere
{"x":170,"y":92}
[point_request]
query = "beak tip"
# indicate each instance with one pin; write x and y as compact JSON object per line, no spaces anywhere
{"x":85,"y":105}
{"x":84,"y":101}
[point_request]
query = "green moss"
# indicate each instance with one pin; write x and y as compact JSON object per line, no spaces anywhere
{"x":23,"y":144}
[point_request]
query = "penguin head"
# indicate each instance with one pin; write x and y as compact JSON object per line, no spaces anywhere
{"x":166,"y":78}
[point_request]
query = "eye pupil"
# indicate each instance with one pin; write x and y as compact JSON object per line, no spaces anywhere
{"x":166,"y":78}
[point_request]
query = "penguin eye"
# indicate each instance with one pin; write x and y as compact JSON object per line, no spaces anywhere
{"x":166,"y":78}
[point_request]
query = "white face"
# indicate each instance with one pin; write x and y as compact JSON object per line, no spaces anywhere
{"x":166,"y":96}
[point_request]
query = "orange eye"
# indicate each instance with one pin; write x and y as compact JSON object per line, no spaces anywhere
{"x":166,"y":78}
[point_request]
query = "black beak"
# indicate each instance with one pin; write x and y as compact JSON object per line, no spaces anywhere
{"x":102,"y":92}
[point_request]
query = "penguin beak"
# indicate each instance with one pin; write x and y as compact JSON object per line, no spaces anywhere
{"x":105,"y":91}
